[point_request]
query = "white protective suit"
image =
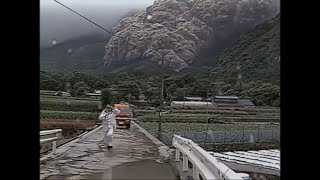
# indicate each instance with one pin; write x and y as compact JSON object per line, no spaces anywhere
{"x":109,"y":124}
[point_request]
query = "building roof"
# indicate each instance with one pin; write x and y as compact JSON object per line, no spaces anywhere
{"x":190,"y":103}
{"x":226,"y":97}
{"x":194,"y":98}
{"x":93,"y":94}
{"x":240,"y":103}
{"x":245,"y":102}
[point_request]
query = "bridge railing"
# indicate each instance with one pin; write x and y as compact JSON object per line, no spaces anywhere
{"x":56,"y":132}
{"x":203,"y":163}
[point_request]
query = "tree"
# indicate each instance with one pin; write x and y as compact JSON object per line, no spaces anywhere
{"x":151,"y":93}
{"x":129,"y":87}
{"x":106,"y":97}
{"x":276,"y":102}
{"x":60,"y":79}
{"x":262,"y":93}
{"x":80,"y":89}
{"x":48,"y":83}
{"x":101,"y":84}
{"x":179,"y":94}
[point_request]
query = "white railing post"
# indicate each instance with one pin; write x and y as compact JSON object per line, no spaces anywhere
{"x":56,"y":132}
{"x":177,"y":155}
{"x":54,"y":143}
{"x":185,"y":160}
{"x":54,"y":146}
{"x":203,"y":162}
{"x":195,"y":173}
{"x":58,"y":135}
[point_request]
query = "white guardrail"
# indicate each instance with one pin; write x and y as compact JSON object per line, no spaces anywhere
{"x":203,"y":163}
{"x":54,"y":139}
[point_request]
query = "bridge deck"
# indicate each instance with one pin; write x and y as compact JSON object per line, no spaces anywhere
{"x":134,"y":156}
{"x":263,"y":161}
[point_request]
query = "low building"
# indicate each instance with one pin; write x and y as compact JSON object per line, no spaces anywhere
{"x":226,"y":99}
{"x":194,"y":99}
{"x":231,"y":101}
{"x":216,"y":101}
{"x":63,"y":94}
{"x":142,"y":103}
{"x":93,"y":95}
{"x":190,"y":104}
{"x":98,"y":91}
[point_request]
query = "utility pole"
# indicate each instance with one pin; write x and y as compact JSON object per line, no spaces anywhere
{"x":161,"y":101}
{"x":184,"y":98}
{"x":239,"y":75}
{"x":207,"y":106}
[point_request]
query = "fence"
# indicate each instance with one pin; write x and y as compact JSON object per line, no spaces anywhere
{"x":226,"y":136}
{"x":44,"y":139}
{"x":204,"y":165}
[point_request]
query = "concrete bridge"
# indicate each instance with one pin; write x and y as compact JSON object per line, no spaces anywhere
{"x":139,"y":155}
{"x":136,"y":155}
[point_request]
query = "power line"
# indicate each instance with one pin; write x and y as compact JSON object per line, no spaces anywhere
{"x":83,"y":17}
{"x":93,"y":24}
{"x":89,"y":20}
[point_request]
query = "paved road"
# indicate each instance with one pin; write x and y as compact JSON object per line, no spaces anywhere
{"x":134,"y":156}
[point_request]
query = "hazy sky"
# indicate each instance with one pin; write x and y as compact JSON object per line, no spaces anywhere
{"x":57,"y":22}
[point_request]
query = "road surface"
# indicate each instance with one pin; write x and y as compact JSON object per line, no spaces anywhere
{"x":134,"y":156}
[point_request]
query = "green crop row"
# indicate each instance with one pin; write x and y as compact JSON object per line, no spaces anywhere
{"x":68,"y":115}
{"x":256,"y":109}
{"x":70,"y":106}
{"x":152,"y":127}
{"x":203,"y":119}
{"x":66,"y":98}
{"x":69,"y":100}
{"x":179,"y":115}
{"x":210,"y":111}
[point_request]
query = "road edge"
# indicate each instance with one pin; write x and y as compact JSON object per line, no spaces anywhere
{"x":165,"y":152}
{"x":65,"y":147}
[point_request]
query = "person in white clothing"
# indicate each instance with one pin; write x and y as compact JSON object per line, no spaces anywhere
{"x":108,"y":118}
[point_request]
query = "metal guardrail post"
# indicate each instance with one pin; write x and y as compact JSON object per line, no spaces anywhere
{"x":258,"y":133}
{"x":195,"y":173}
{"x":185,"y":160}
{"x":225,"y":133}
{"x":54,"y":140}
{"x":242,"y":133}
{"x":54,"y":147}
{"x":177,"y":155}
{"x":54,"y":144}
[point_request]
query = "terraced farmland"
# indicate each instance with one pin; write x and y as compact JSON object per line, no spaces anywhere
{"x":222,"y":115}
{"x":226,"y":124}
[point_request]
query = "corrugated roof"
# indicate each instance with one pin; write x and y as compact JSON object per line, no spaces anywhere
{"x":193,"y":98}
{"x":226,"y":97}
{"x":93,"y":94}
{"x":188,"y":103}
